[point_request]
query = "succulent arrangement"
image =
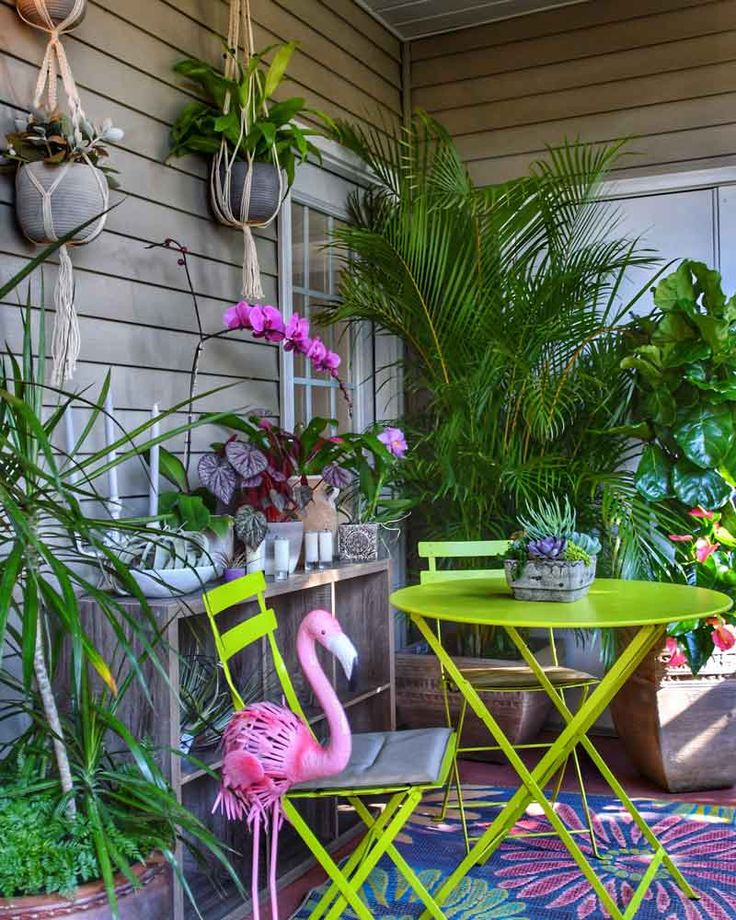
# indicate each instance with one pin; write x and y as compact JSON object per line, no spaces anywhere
{"x":549,"y":533}
{"x":164,"y":549}
{"x":51,"y":138}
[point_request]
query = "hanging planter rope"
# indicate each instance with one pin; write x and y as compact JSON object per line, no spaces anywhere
{"x":51,"y":200}
{"x":245,"y":193}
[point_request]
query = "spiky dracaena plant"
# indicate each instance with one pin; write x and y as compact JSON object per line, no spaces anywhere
{"x":507,"y":301}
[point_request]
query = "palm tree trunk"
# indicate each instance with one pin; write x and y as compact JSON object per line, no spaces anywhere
{"x":52,"y":717}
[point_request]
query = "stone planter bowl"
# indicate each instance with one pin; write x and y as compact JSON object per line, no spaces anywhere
{"x":79,"y":196}
{"x":90,"y":901}
{"x":550,"y":580}
{"x":58,"y":10}
{"x":265,"y":191}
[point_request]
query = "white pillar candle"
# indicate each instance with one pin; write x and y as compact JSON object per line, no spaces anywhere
{"x":154,"y":465}
{"x":281,"y":557}
{"x":311,"y":549}
{"x":112,"y":473}
{"x":325,"y":548}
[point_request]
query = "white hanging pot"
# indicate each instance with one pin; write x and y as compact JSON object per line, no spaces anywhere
{"x":265,"y":192}
{"x":75,"y":193}
{"x":66,"y":14}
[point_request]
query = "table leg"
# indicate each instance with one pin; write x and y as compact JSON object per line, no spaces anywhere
{"x":600,"y":763}
{"x":534,"y":781}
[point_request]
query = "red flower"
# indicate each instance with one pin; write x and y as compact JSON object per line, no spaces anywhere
{"x":723,"y":637}
{"x":677,"y":658}
{"x":702,"y":513}
{"x":704,"y":548}
{"x":680,"y":537}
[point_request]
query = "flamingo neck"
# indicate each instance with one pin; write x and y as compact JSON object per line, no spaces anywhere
{"x":331,"y":759}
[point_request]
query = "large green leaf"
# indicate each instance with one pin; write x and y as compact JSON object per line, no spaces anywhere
{"x":653,"y":475}
{"x":709,"y":285}
{"x":676,"y":289}
{"x":695,"y":486}
{"x":277,"y":69}
{"x":705,"y":433}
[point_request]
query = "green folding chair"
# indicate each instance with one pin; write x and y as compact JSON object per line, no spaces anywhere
{"x":499,"y":679}
{"x":399,"y":765}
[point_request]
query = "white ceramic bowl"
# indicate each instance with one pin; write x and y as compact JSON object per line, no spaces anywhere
{"x":171,"y":582}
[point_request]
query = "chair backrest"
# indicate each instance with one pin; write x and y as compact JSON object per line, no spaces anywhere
{"x":249,"y":630}
{"x":460,"y":549}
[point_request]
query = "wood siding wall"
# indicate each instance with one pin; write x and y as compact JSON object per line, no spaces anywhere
{"x":662,"y":72}
{"x":135,"y":313}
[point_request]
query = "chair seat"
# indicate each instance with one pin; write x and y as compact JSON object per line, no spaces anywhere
{"x":387,"y":759}
{"x":522,"y":677}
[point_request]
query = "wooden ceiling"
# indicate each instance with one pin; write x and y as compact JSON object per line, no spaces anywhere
{"x":410,"y":19}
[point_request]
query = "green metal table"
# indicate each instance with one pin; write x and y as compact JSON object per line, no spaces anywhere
{"x":647,"y":606}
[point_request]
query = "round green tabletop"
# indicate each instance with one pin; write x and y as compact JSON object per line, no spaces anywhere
{"x":609,"y":603}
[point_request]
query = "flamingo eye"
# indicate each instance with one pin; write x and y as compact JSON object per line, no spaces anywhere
{"x":324,"y":632}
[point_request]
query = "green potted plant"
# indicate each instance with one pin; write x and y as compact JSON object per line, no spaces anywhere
{"x":112,"y":813}
{"x":670,"y":714}
{"x":368,"y":503}
{"x":261,"y":137}
{"x":550,"y":560}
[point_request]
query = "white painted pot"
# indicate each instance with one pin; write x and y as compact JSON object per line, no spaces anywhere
{"x":172,"y":582}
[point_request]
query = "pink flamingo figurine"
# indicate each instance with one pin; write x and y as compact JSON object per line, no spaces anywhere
{"x":268,"y":749}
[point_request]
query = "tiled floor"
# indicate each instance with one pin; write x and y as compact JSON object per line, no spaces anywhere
{"x":497,"y":774}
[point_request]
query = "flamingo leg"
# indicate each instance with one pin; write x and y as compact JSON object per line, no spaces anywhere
{"x":254,"y":865}
{"x":275,"y":822}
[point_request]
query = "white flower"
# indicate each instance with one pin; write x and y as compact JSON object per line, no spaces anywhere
{"x":113,"y":134}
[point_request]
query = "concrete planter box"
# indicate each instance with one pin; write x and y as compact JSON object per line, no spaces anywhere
{"x":550,"y":580}
{"x":679,"y":729}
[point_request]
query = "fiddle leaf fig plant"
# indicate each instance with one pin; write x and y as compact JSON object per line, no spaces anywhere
{"x":685,"y":374}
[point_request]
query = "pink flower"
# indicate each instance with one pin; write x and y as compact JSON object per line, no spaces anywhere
{"x":680,"y":537}
{"x":296,"y":334}
{"x":267,"y":323}
{"x":238,"y":316}
{"x":394,"y":440}
{"x":723,"y":637}
{"x":704,"y":548}
{"x":677,"y":658}
{"x":702,"y":513}
{"x":265,"y":423}
{"x":331,"y":362}
{"x":317,"y":352}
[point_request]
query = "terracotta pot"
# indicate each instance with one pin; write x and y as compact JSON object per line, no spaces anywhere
{"x":420,"y":702}
{"x":677,"y":728}
{"x":79,"y":193}
{"x":90,"y":901}
{"x":59,"y":11}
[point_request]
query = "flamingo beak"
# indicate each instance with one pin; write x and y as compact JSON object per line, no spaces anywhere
{"x":344,"y":650}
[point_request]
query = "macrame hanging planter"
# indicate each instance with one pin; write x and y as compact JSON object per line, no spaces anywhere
{"x":245,"y":193}
{"x":52,"y":200}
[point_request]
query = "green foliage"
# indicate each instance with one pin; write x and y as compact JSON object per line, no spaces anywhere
{"x":684,"y":369}
{"x":201,"y":126}
{"x":575,"y":553}
{"x":191,"y":510}
{"x":548,"y":518}
{"x":506,"y":301}
{"x":42,"y":851}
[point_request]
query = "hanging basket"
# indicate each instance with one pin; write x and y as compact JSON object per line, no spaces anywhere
{"x":265,"y":192}
{"x":75,"y":192}
{"x":58,"y":14}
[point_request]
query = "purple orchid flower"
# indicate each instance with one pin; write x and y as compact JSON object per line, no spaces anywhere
{"x":296,"y":334}
{"x":238,"y":316}
{"x":317,"y":352}
{"x":267,"y":323}
{"x":394,"y":440}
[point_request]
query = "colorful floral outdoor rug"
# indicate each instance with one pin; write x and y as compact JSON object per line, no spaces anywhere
{"x":536,"y":879}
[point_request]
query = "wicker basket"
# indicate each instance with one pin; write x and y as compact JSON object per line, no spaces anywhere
{"x":79,"y":196}
{"x":58,"y":10}
{"x":265,"y":190}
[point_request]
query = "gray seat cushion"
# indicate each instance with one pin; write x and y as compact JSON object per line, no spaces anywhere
{"x":389,"y":759}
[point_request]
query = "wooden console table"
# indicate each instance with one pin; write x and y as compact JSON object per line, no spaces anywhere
{"x":358,"y":594}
